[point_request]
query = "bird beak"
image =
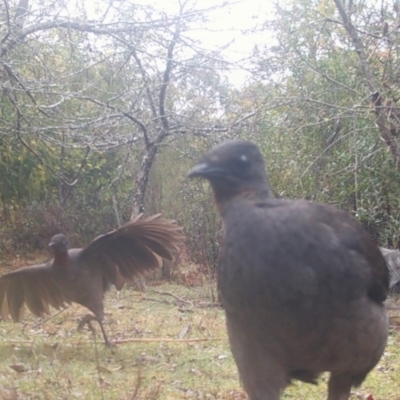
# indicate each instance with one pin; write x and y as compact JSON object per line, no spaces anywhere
{"x":206,"y":170}
{"x":51,"y":244}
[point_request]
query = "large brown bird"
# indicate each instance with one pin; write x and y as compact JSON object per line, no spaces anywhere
{"x":84,"y":275}
{"x":302,"y":284}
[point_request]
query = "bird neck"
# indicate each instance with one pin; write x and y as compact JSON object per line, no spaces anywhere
{"x":224,"y":199}
{"x":61,"y":260}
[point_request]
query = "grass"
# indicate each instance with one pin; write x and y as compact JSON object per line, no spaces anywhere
{"x":172,"y":344}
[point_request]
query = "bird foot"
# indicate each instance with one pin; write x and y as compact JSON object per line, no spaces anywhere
{"x":86,"y":320}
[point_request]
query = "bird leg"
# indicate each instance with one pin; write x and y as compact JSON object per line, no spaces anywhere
{"x":339,"y":387}
{"x":86,"y":320}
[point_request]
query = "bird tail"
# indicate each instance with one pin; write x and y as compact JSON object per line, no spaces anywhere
{"x":135,"y":248}
{"x":161,"y":235}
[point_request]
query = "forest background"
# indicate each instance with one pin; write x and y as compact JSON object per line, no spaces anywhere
{"x":105,"y":106}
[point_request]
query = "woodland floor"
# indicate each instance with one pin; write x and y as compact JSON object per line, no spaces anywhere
{"x":170,"y":344}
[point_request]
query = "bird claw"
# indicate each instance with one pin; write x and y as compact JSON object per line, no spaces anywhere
{"x":86,"y":321}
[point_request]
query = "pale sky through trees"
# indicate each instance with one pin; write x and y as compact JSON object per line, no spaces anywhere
{"x":233,"y":27}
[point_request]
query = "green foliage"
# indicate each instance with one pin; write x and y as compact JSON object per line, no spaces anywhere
{"x":188,"y":201}
{"x":307,"y":106}
{"x":81,"y":100}
{"x":316,"y":125}
{"x":36,"y":204}
{"x":22,"y":175}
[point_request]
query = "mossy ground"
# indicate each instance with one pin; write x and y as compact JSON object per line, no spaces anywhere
{"x":171,"y":344}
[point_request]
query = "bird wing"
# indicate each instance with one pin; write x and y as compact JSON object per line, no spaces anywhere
{"x":319,"y":237}
{"x":134,"y":248}
{"x":392,"y":258}
{"x":35,"y":286}
{"x":367,"y":261}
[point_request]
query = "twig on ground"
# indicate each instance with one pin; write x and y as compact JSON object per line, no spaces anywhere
{"x":122,"y":341}
{"x":46,"y":320}
{"x":156,"y":300}
{"x":172,"y":295}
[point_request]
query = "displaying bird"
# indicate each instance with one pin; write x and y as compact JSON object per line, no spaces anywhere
{"x":84,"y":275}
{"x":392,"y":258}
{"x":302,"y":284}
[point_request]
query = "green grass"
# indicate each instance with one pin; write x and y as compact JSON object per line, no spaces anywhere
{"x":51,"y":360}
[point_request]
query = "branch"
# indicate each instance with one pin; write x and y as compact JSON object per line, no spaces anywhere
{"x":165,"y":81}
{"x":6,"y":36}
{"x":124,"y":113}
{"x":14,"y":77}
{"x":239,"y":121}
{"x":26,"y":145}
{"x":376,"y":96}
{"x":324,"y":75}
{"x":146,"y":81}
{"x":101,"y":29}
{"x":358,"y":46}
{"x":77,"y":175}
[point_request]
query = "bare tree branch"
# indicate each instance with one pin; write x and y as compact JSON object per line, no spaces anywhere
{"x":376,"y":96}
{"x":7,"y":10}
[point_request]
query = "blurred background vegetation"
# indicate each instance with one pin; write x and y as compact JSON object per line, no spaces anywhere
{"x":103,"y":112}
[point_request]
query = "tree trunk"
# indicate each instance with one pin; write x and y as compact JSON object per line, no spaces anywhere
{"x":142,"y":178}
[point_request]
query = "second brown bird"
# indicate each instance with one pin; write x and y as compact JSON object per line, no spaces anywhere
{"x":84,"y":275}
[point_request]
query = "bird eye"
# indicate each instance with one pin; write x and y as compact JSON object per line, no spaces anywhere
{"x":243,"y":159}
{"x":242,"y":164}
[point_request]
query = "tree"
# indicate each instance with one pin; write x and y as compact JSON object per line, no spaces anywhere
{"x":80,"y":82}
{"x":323,"y":117}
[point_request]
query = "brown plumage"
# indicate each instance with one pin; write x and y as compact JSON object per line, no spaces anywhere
{"x":392,"y":258}
{"x":84,"y":275}
{"x":302,"y":284}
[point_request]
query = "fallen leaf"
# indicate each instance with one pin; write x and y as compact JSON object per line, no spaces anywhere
{"x":18,"y":368}
{"x":184,"y":331}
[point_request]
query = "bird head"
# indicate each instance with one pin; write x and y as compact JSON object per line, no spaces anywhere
{"x":234,"y":168}
{"x":59,"y":242}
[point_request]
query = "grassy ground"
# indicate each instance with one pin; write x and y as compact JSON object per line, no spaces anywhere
{"x":171,"y":344}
